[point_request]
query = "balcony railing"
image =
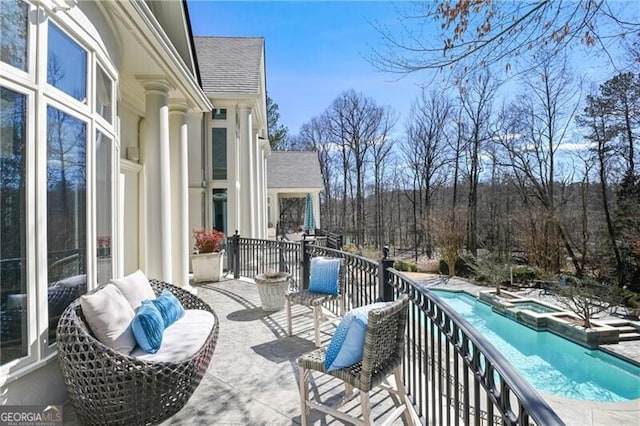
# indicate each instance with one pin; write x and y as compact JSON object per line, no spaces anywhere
{"x":453,"y":375}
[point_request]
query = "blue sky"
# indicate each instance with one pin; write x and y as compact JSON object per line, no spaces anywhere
{"x":314,"y":50}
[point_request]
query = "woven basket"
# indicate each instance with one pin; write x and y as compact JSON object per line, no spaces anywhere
{"x":272,"y":290}
{"x":107,"y":387}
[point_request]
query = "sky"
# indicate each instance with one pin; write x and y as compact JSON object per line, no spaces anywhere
{"x":314,"y":51}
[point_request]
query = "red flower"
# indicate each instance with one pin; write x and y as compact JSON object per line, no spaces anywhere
{"x":208,"y":240}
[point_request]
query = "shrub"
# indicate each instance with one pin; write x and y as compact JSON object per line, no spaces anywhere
{"x":402,"y":265}
{"x":523,"y":274}
{"x":463,"y":266}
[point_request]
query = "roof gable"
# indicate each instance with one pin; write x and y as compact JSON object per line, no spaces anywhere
{"x":294,"y":169}
{"x":230,"y":65}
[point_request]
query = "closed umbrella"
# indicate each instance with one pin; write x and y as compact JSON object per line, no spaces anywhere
{"x":309,"y":219}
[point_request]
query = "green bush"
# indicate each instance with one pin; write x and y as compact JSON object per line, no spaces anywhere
{"x":402,"y":265}
{"x":522,"y":274}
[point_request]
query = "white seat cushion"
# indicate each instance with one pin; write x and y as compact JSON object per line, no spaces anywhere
{"x":182,"y":339}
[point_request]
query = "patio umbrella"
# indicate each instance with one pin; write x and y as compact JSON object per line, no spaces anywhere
{"x":309,"y":220}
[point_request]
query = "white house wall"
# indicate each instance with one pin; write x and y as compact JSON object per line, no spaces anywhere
{"x":159,"y":107}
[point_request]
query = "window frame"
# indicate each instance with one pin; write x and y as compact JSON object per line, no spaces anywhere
{"x":39,"y":95}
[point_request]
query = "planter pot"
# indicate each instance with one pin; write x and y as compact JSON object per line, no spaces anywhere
{"x":271,"y":289}
{"x":207,"y":266}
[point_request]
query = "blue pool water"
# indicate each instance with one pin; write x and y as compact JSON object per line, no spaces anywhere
{"x":551,"y":364}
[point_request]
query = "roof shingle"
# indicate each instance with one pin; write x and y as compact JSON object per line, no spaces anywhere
{"x":293,"y":169}
{"x":230,"y":64}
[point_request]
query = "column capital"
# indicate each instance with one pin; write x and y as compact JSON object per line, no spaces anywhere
{"x":245,"y":106}
{"x":154,"y":84}
{"x":179,"y":106}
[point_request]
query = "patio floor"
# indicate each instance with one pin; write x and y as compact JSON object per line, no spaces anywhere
{"x":253,"y":375}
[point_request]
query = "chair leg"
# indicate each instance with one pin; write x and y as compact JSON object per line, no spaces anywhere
{"x":366,"y":407}
{"x":287,"y":304}
{"x":316,"y":320}
{"x":402,"y":395}
{"x":304,"y":396}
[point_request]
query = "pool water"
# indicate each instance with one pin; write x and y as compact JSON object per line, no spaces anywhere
{"x":534,"y":307}
{"x":550,"y":363}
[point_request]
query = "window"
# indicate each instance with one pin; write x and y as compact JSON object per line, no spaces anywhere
{"x":103,"y":94}
{"x":66,"y":64}
{"x":219,"y":152}
{"x":220,"y":114}
{"x":58,"y":144}
{"x":14,"y":25}
{"x":220,"y":209}
{"x":66,"y":207}
{"x":104,"y":176}
{"x":13,"y":250}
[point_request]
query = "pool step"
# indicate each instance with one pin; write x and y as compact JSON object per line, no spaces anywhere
{"x":628,"y":336}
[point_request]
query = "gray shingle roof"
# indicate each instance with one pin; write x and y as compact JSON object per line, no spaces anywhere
{"x":230,"y":64}
{"x":293,"y":169}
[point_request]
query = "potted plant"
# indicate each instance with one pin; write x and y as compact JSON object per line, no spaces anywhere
{"x":272,"y":287}
{"x":206,"y":262}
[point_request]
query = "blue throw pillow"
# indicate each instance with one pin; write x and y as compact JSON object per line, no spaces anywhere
{"x":347,"y":343}
{"x":147,"y":327}
{"x":169,"y":306}
{"x":325,"y":276}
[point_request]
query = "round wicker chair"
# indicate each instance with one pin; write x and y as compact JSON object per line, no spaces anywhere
{"x":107,"y":387}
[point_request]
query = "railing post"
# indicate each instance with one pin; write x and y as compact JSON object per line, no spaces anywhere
{"x":306,"y":264}
{"x":236,"y":255}
{"x":282,"y":265}
{"x":385,"y":290}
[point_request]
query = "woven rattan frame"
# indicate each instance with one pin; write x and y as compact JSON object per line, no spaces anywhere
{"x":107,"y":387}
{"x":382,"y":356}
{"x":315,"y":301}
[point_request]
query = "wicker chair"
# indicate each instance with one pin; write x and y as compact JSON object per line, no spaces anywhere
{"x":107,"y":387}
{"x":315,"y":301}
{"x":382,"y":356}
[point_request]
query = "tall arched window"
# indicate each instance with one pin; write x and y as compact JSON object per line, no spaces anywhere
{"x":58,"y":143}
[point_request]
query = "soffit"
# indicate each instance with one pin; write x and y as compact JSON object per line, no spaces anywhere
{"x":148,"y":51}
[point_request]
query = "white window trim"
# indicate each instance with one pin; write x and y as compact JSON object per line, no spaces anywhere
{"x":33,"y":84}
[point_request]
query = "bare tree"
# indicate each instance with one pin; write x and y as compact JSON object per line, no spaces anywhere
{"x":359,"y":123}
{"x":426,"y":132}
{"x":479,"y":33}
{"x":476,"y":103}
{"x":542,"y":115}
{"x":316,"y":135}
{"x":381,"y":156}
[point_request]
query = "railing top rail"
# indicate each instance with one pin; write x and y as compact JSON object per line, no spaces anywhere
{"x":536,"y":407}
{"x":341,"y":254}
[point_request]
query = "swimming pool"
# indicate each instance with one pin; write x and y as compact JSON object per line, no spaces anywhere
{"x":551,"y":364}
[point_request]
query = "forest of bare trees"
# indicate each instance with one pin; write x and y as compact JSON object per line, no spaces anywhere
{"x":551,"y":177}
{"x":547,"y":175}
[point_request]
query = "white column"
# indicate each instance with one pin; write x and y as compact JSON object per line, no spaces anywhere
{"x":157,"y":181}
{"x":263,"y":200}
{"x":247,"y":188}
{"x":316,"y":209}
{"x":180,"y":192}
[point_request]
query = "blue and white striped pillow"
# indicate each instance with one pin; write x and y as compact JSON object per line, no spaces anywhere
{"x":325,"y":276}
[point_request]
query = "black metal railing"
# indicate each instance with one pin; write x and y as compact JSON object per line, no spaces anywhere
{"x":452,"y":374}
